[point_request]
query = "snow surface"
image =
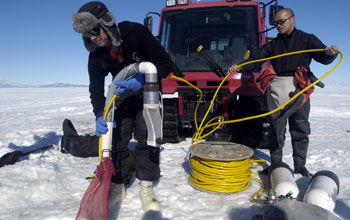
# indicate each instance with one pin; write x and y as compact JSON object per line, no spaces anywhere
{"x":50,"y":185}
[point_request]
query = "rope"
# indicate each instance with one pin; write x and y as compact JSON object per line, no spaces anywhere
{"x":232,"y":176}
{"x":199,"y":130}
{"x":222,"y":176}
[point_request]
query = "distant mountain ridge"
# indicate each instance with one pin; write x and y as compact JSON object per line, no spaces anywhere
{"x":5,"y":84}
{"x":58,"y":84}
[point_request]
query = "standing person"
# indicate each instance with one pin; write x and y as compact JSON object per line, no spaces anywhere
{"x":112,"y":47}
{"x":290,"y":75}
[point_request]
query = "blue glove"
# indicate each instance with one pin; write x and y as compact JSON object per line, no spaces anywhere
{"x":101,"y":126}
{"x":134,"y":84}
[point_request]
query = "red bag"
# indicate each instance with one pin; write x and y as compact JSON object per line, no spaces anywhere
{"x":94,"y":204}
{"x":302,"y":76}
{"x":266,"y":77}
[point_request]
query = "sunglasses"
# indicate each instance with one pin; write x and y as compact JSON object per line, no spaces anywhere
{"x":93,"y":32}
{"x":282,"y":21}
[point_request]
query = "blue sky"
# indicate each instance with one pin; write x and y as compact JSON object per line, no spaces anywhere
{"x":39,"y":45}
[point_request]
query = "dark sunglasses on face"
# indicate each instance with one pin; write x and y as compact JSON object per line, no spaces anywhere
{"x":282,"y":21}
{"x":93,"y":32}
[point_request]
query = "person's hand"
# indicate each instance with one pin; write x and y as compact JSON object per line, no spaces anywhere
{"x":134,"y":84}
{"x":101,"y":126}
{"x":234,"y":69}
{"x":331,"y":51}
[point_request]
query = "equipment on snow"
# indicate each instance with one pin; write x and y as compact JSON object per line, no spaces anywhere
{"x":318,"y":202}
{"x":282,"y":181}
{"x":222,"y":167}
{"x":323,"y":190}
{"x":12,"y":157}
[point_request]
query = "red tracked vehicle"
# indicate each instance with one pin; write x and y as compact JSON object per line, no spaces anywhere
{"x":227,"y":31}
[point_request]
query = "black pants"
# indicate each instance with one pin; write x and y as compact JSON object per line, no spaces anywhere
{"x":129,"y":119}
{"x":299,"y":128}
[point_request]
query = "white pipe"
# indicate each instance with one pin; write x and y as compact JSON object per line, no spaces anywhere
{"x":149,"y":70}
{"x":151,"y":102}
{"x":106,"y":145}
{"x":323,"y":190}
{"x":282,"y":181}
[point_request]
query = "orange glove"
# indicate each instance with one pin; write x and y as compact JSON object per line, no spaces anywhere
{"x":266,"y":77}
{"x":302,"y":76}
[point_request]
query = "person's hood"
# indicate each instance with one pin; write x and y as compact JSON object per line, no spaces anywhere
{"x":92,"y":14}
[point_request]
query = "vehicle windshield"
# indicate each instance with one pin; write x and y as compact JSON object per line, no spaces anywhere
{"x":225,"y":33}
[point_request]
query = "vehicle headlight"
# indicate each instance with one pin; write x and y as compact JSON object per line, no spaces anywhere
{"x":182,"y":2}
{"x":170,"y":3}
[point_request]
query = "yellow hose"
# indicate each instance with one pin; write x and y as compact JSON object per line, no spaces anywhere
{"x":223,"y":176}
{"x":232,"y":176}
{"x":200,"y":129}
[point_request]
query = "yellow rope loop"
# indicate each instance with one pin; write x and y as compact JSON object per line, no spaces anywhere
{"x":226,"y":176}
{"x":198,"y":135}
{"x":232,"y":176}
{"x":220,"y":176}
{"x":200,"y":98}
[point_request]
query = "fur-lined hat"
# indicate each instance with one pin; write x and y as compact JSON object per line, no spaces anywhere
{"x":92,"y":14}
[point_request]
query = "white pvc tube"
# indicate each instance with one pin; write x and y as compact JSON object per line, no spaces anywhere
{"x":151,"y":102}
{"x":323,"y":190}
{"x":106,"y":145}
{"x":150,"y":71}
{"x":282,"y":181}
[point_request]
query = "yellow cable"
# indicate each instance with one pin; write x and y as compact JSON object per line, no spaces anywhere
{"x":233,"y":176}
{"x":207,"y":125}
{"x":200,"y":98}
{"x":223,"y":176}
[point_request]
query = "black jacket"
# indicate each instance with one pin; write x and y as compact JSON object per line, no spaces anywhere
{"x":295,"y":41}
{"x":138,"y":45}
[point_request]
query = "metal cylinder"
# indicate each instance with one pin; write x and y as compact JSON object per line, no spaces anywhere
{"x":151,"y":87}
{"x":151,"y":94}
{"x":151,"y":104}
{"x":282,"y":181}
{"x":323,"y":190}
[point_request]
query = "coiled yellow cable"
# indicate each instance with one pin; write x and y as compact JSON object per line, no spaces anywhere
{"x":222,"y":176}
{"x":232,"y":176}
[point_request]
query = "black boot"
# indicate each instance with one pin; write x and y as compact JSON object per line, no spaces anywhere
{"x":303,"y":171}
{"x":265,"y":171}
